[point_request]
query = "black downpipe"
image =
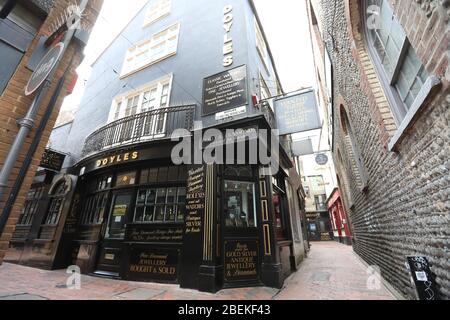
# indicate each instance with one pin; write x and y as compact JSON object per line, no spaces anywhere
{"x":29,"y":157}
{"x":7,"y":8}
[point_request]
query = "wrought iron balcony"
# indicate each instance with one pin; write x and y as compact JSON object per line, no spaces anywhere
{"x":145,"y":126}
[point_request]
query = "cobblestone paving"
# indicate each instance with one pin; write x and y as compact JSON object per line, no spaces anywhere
{"x":331,"y":271}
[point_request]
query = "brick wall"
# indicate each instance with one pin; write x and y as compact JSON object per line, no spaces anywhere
{"x":14,"y":105}
{"x":405,"y":209}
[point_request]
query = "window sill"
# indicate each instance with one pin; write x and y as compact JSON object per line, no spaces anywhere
{"x":428,"y":87}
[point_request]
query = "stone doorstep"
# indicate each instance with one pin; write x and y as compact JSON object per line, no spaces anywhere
{"x":394,"y":292}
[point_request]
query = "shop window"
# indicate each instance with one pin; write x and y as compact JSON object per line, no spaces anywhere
{"x":401,"y":72}
{"x":160,"y":205}
{"x":126,"y":179}
{"x":279,"y":214}
{"x":240,"y":204}
{"x":93,"y":210}
{"x":160,"y":46}
{"x":31,"y":206}
{"x":56,"y":203}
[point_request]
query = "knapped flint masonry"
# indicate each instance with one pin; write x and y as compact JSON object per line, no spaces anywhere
{"x":122,"y":208}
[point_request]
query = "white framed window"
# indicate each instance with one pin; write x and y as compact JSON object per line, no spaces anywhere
{"x":160,"y":46}
{"x":149,"y":97}
{"x":157,"y":10}
{"x":261,"y":45}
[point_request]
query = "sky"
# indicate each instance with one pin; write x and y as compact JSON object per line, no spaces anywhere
{"x":284,"y":21}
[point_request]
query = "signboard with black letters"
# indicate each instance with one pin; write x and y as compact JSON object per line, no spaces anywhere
{"x":297,"y":113}
{"x":225,"y":91}
{"x":52,"y":160}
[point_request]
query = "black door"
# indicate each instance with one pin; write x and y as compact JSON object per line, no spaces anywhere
{"x":111,"y":249}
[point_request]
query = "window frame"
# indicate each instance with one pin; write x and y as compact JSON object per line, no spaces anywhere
{"x":146,"y":46}
{"x":160,"y":15}
{"x":122,"y":99}
{"x":403,"y":115}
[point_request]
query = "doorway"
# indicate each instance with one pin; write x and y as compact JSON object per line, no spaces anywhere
{"x":111,"y":247}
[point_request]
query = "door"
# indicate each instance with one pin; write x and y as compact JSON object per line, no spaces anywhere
{"x":240,"y":243}
{"x":111,"y":248}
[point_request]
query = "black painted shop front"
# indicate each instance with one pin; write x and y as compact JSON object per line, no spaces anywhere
{"x":135,"y":216}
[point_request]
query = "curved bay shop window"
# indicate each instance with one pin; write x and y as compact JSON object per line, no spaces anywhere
{"x":160,"y":205}
{"x":240,"y":204}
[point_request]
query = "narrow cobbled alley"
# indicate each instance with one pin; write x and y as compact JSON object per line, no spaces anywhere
{"x":331,"y":271}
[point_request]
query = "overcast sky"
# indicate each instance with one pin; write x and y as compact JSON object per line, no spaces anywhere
{"x":284,"y":21}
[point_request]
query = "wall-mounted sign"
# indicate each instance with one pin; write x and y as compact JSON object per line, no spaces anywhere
{"x":193,"y":227}
{"x":120,"y":210}
{"x":231,"y":113}
{"x":118,"y":158}
{"x":224,"y":91}
{"x":321,"y":159}
{"x":241,"y":261}
{"x":153,"y":264}
{"x":422,"y":278}
{"x":52,"y":160}
{"x":227,"y":40}
{"x":297,"y":113}
{"x":302,"y":148}
{"x":44,"y":68}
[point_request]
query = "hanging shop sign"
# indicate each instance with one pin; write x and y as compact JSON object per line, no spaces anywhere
{"x":422,"y":278}
{"x":321,"y":159}
{"x":224,"y":91}
{"x":52,"y":160}
{"x":297,"y":113}
{"x":241,"y":261}
{"x":44,"y":68}
{"x":153,"y":264}
{"x":302,"y":148}
{"x":227,"y":40}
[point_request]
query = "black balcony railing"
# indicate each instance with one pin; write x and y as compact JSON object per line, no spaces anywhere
{"x":145,"y":126}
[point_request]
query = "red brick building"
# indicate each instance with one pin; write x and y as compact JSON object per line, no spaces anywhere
{"x":24,"y":27}
{"x":338,"y":218}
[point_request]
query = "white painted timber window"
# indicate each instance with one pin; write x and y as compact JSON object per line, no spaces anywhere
{"x":157,"y":10}
{"x":261,"y":45}
{"x":160,"y":46}
{"x":265,"y":92}
{"x":152,"y":96}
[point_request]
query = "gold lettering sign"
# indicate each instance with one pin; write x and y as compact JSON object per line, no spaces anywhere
{"x":241,"y":260}
{"x":227,"y":40}
{"x":116,"y":159}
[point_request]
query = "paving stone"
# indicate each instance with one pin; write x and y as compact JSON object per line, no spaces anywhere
{"x":140,"y":294}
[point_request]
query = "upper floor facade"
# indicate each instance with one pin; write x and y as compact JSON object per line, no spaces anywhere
{"x":150,"y":80}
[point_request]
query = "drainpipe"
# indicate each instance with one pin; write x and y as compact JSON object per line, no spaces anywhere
{"x":27,"y":123}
